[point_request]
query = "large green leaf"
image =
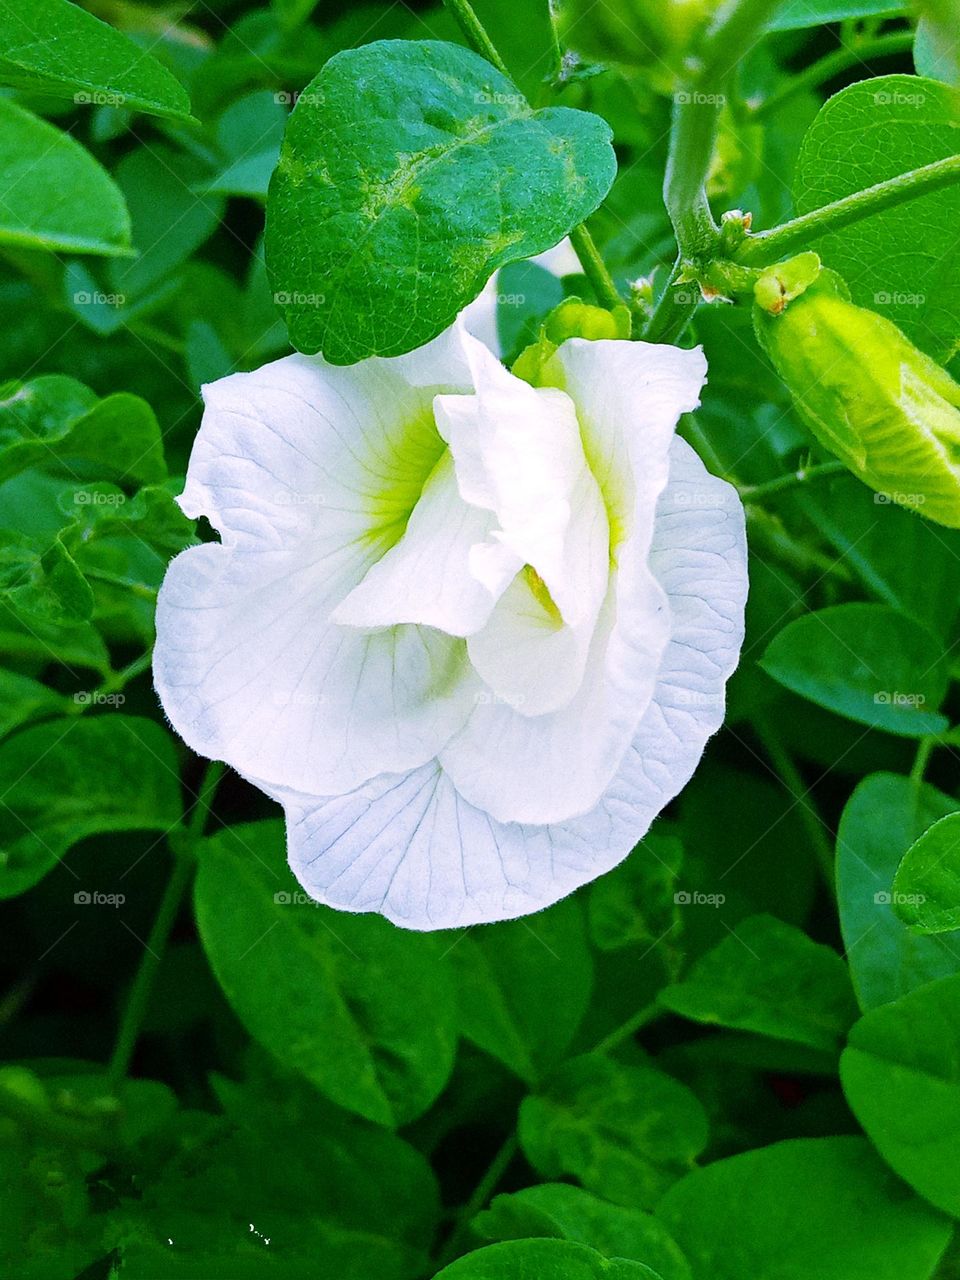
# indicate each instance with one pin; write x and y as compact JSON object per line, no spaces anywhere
{"x":55,"y":419}
{"x":23,"y":699}
{"x":626,"y":1132}
{"x":769,"y":978}
{"x":794,"y":15}
{"x":68,"y":779}
{"x":866,"y":662}
{"x":904,"y":262}
{"x":926,"y":889}
{"x":880,"y":822}
{"x":524,"y":987}
{"x":814,"y":1209}
{"x":558,"y":1210}
{"x":57,"y":48}
{"x":362,"y":1009}
{"x":411,"y":171}
{"x":901,"y":1076}
{"x":543,"y":1260}
{"x":55,"y":195}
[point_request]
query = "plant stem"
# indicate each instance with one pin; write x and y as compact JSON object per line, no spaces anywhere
{"x":142,"y":988}
{"x":832,"y":64}
{"x":481,"y":1194}
{"x":474,"y":32}
{"x":629,"y":1028}
{"x":593,"y":265}
{"x":768,"y":246}
{"x":696,"y":111}
{"x":789,"y":775}
{"x":672,"y":312}
{"x":805,"y":476}
{"x":594,"y":268}
{"x":922,"y":759}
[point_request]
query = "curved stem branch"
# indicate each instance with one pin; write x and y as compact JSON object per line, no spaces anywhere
{"x":832,"y":64}
{"x":594,"y":268}
{"x":769,"y":246}
{"x":805,"y":476}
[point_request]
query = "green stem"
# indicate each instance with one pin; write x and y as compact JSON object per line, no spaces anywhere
{"x":474,"y":32}
{"x":673,"y":311}
{"x":629,"y":1028}
{"x":789,"y":775}
{"x":696,"y":113}
{"x":593,"y":265}
{"x":142,"y":988}
{"x":922,"y":759}
{"x":833,"y":64}
{"x":805,"y":476}
{"x":769,"y":246}
{"x":594,"y":268}
{"x":481,"y":1194}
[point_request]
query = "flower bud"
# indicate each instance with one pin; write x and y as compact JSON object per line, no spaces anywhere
{"x":888,"y":411}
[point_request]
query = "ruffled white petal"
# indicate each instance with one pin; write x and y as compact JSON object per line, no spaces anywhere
{"x":427,"y":577}
{"x":518,"y":452}
{"x":519,"y":766}
{"x":310,"y":473}
{"x":414,"y":849}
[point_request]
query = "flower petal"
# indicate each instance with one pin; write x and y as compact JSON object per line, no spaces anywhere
{"x":412,"y":848}
{"x":248,"y":664}
{"x":517,"y":451}
{"x":523,"y":767}
{"x":427,"y":576}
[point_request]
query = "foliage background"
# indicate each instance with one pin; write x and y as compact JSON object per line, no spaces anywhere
{"x":731,"y":1058}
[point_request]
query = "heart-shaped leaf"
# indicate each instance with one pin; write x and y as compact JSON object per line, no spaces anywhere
{"x":410,"y":171}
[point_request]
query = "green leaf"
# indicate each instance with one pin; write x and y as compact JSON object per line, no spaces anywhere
{"x":901,"y":1076}
{"x":171,"y":219}
{"x":347,"y":1199}
{"x":880,"y":822}
{"x":38,"y":164}
{"x":636,"y":903}
{"x":41,"y":581}
{"x":626,"y":1132}
{"x":411,"y":171}
{"x":771,"y":979}
{"x":883,"y":543}
{"x":524,"y":987}
{"x":926,"y":889}
{"x":54,"y":419}
{"x":542,"y":1260}
{"x":52,"y":47}
{"x":866,"y":662}
{"x":794,"y":15}
{"x":23,"y":699}
{"x":69,"y":779}
{"x":558,"y":1210}
{"x":362,"y":1009}
{"x":813,"y":1209}
{"x":904,"y":262}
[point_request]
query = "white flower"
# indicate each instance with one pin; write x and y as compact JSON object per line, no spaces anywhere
{"x":472,"y":635}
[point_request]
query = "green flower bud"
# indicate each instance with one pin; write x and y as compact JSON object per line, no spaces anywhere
{"x":888,"y":411}
{"x":573,"y":318}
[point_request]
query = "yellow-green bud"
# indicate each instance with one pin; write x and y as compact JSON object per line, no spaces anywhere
{"x":888,"y":411}
{"x":781,"y":283}
{"x":573,"y":318}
